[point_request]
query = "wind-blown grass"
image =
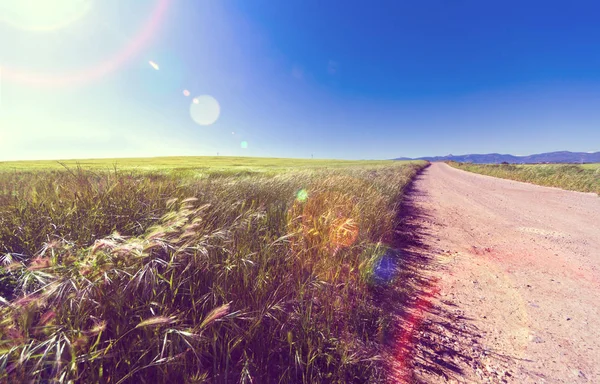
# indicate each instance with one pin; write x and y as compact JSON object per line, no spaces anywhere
{"x":123,"y":277}
{"x":583,"y":178}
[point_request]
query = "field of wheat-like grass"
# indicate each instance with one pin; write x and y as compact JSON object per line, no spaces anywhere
{"x":174,"y":274}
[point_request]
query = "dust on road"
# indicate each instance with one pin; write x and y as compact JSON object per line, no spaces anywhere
{"x":518,"y":281}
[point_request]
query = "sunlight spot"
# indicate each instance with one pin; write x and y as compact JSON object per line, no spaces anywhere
{"x":244,"y":144}
{"x":302,"y":195}
{"x":205,"y":110}
{"x":186,"y":93}
{"x":153,"y":65}
{"x":43,"y":15}
{"x":137,"y":42}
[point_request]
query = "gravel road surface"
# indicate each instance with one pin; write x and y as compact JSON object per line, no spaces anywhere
{"x":514,"y":292}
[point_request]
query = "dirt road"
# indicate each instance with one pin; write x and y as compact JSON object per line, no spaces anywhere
{"x":516,"y":281}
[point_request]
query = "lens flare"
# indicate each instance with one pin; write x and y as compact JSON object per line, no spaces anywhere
{"x":165,"y":78}
{"x":36,"y":15}
{"x":154,"y":65}
{"x":328,"y":220}
{"x":186,"y":93}
{"x":343,"y":232}
{"x":205,"y":110}
{"x":302,"y":195}
{"x":86,"y":75}
{"x":244,"y":144}
{"x":385,"y":267}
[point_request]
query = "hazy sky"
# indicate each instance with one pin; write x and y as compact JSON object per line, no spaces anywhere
{"x":295,"y":78}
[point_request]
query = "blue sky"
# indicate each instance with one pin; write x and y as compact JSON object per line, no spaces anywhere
{"x":336,"y":79}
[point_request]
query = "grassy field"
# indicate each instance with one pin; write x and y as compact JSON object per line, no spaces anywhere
{"x":148,"y":274}
{"x":209,"y":164}
{"x":584,"y":178}
{"x":590,"y":166}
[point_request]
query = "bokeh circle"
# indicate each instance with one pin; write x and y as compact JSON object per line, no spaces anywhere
{"x":205,"y":110}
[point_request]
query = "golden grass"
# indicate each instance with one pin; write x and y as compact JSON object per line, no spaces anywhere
{"x":160,"y":277}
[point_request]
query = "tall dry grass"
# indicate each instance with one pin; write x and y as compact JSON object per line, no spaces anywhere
{"x":122,"y":277}
{"x":567,"y":176}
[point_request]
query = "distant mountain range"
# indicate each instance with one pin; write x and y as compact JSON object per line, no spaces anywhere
{"x":496,"y":158}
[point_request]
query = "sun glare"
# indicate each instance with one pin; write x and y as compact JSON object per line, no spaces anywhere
{"x":50,"y":15}
{"x":43,"y":15}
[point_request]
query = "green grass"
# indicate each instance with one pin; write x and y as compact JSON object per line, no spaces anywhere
{"x":163,"y":276}
{"x":583,"y":178}
{"x":591,"y":166}
{"x":200,"y":164}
